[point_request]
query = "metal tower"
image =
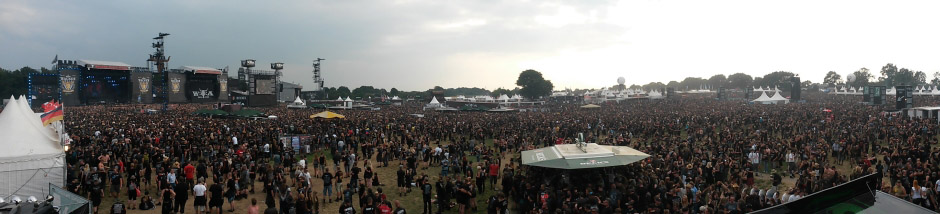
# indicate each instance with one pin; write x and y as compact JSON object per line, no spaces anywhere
{"x":160,"y":60}
{"x":277,"y":66}
{"x":317,"y":79}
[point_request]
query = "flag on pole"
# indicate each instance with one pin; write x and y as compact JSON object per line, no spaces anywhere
{"x":56,"y":59}
{"x":52,"y":112}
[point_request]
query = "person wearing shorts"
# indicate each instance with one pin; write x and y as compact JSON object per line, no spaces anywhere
{"x":132,"y":193}
{"x":199,"y":190}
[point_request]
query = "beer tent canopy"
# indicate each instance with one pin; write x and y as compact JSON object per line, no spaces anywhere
{"x":327,"y":115}
{"x":590,"y":106}
{"x":581,"y":156}
{"x":32,"y":157}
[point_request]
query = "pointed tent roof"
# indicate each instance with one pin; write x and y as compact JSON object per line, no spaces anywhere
{"x":327,"y":115}
{"x":434,"y":101}
{"x":516,"y":97}
{"x":298,"y":101}
{"x":762,"y":98}
{"x":396,"y":98}
{"x":28,"y":147}
{"x":503,"y":97}
{"x":339,"y":98}
{"x":347,"y":99}
{"x":778,"y":97}
{"x":24,"y":134}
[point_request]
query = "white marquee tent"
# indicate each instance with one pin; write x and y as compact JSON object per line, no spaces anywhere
{"x":32,"y":157}
{"x":764,"y":99}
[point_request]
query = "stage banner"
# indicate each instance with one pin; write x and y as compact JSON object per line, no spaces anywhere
{"x":223,"y":88}
{"x":177,"y":86}
{"x":142,"y":87}
{"x":202,"y":88}
{"x":68,"y":83}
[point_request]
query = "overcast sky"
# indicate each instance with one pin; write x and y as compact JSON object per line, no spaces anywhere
{"x":417,"y":44}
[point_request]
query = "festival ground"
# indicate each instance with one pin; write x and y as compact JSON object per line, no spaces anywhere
{"x":410,"y":201}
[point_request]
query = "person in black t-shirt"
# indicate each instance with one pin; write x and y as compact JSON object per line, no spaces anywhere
{"x":426,"y":193}
{"x":369,"y":206}
{"x":401,"y":181}
{"x":182,"y":195}
{"x":95,"y":195}
{"x":215,"y":196}
{"x":347,"y":208}
{"x":327,"y":185}
{"x":230,"y":193}
{"x":168,"y":195}
{"x":398,"y":208}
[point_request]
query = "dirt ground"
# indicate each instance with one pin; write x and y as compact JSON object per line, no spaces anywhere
{"x":387,"y":175}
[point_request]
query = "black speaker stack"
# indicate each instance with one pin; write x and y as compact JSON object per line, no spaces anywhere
{"x":904,"y":97}
{"x":795,"y":88}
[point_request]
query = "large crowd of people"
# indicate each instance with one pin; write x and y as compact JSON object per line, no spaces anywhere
{"x":706,"y":156}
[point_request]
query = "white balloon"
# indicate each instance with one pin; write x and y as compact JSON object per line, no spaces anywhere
{"x":621,"y":80}
{"x":851,"y":77}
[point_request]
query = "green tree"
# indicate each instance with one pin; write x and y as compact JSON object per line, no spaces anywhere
{"x":654,"y":86}
{"x":691,"y":83}
{"x":534,"y":85}
{"x":904,"y":76}
{"x":501,"y":91}
{"x":888,"y":74}
{"x":719,"y":80}
{"x":740,"y":80}
{"x":936,"y":78}
{"x":779,"y":79}
{"x":920,"y":77}
{"x":635,"y":86}
{"x":393,"y":92}
{"x":832,"y":78}
{"x":862,"y":77}
{"x":673,"y":84}
{"x":343,"y":92}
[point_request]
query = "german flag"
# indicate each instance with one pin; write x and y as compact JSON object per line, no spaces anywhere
{"x":52,"y":112}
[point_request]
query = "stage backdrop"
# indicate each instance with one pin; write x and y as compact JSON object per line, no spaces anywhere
{"x":142,"y":86}
{"x":177,"y":87}
{"x":202,"y":88}
{"x":223,"y":87}
{"x":68,"y":82}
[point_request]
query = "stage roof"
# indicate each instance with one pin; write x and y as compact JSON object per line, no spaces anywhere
{"x":104,"y":65}
{"x":201,"y":70}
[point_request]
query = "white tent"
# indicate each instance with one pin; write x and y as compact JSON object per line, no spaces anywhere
{"x":434,"y":104}
{"x":32,"y":157}
{"x":348,"y":102}
{"x":503,"y":98}
{"x":339,"y":98}
{"x":777,"y":97}
{"x":655,"y":95}
{"x":298,"y":103}
{"x":762,"y":98}
{"x":516,"y":97}
{"x":396,"y":98}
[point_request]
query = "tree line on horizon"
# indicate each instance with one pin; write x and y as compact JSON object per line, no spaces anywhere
{"x":532,"y":85}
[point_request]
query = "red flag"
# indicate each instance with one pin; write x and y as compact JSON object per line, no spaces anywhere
{"x":52,"y":112}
